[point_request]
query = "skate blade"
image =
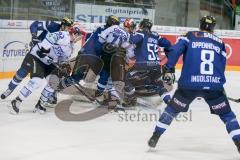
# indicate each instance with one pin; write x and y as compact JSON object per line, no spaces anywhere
{"x":11,"y":110}
{"x":36,"y":110}
{"x":119,"y":109}
{"x":151,"y":149}
{"x":49,"y":105}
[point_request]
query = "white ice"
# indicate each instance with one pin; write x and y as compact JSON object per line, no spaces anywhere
{"x":30,"y":136}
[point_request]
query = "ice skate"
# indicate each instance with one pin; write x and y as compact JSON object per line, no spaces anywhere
{"x":52,"y":101}
{"x":130,"y":100}
{"x":39,"y":108}
{"x":5,"y":94}
{"x":14,"y":108}
{"x":98,"y":93}
{"x":237,"y":143}
{"x":153,"y":140}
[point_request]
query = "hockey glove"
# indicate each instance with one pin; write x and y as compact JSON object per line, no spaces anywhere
{"x":109,"y":48}
{"x":64,"y":70}
{"x":168,"y":75}
{"x":49,"y":60}
{"x":42,"y":52}
{"x":166,"y":50}
{"x":34,"y":40}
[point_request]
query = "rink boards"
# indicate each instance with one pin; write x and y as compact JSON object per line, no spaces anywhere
{"x":14,"y":45}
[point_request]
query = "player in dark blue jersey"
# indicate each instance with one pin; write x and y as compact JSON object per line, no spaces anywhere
{"x":48,"y":26}
{"x":147,"y":43}
{"x":106,"y":57}
{"x":204,"y":60}
{"x":147,"y":63}
{"x":88,"y":62}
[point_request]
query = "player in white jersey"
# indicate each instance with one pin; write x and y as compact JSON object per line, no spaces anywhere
{"x":116,"y":46}
{"x":25,"y":69}
{"x":54,"y":50}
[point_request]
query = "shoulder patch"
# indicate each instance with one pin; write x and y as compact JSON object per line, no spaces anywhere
{"x":52,"y":37}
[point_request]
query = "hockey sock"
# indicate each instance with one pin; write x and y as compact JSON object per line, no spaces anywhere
{"x":46,"y":93}
{"x":19,"y":76}
{"x":163,"y":93}
{"x":165,"y":120}
{"x":32,"y":85}
{"x":232,"y":125}
{"x":103,"y":80}
{"x":101,"y":86}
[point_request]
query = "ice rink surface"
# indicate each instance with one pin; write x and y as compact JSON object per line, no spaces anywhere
{"x":194,"y":136}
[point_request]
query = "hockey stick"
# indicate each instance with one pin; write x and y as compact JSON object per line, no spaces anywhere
{"x":234,"y":100}
{"x":80,"y":88}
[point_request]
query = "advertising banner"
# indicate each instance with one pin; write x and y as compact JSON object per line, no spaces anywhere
{"x":14,"y":46}
{"x":88,"y":13}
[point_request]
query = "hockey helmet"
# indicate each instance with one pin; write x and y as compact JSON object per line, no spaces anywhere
{"x":112,"y":20}
{"x":77,"y":32}
{"x":130,"y":24}
{"x":66,"y":22}
{"x":207,"y":23}
{"x":146,"y":24}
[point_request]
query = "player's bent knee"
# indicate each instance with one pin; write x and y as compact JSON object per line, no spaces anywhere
{"x":21,"y":74}
{"x":179,"y":103}
{"x":87,"y":66}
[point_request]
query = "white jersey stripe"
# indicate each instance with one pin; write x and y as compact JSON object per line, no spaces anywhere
{"x":162,"y":125}
{"x":183,"y":38}
{"x":234,"y":133}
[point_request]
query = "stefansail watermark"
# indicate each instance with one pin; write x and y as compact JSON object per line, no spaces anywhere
{"x":152,"y":117}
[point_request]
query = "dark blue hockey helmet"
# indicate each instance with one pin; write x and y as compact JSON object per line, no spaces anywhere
{"x":146,"y":24}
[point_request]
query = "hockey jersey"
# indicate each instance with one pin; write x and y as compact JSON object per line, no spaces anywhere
{"x":116,"y":36}
{"x":60,"y":47}
{"x":92,"y":45}
{"x":204,"y":60}
{"x":146,"y":48}
{"x":45,"y":27}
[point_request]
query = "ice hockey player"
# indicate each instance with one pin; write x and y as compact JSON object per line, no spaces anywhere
{"x":54,"y":50}
{"x":111,"y":41}
{"x":104,"y":79}
{"x":88,"y":58}
{"x":204,"y":60}
{"x":25,"y":69}
{"x":147,"y":62}
{"x":45,"y":27}
{"x":116,"y":46}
